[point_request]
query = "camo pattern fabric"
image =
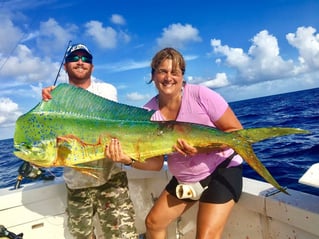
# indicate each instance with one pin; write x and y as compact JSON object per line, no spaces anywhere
{"x":111,"y":202}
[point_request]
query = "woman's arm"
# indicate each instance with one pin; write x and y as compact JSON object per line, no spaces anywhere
{"x":227,"y":122}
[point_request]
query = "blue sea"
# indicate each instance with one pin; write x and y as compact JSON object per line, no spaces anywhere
{"x":287,"y":158}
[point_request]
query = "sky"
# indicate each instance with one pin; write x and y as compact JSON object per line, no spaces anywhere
{"x":241,"y":49}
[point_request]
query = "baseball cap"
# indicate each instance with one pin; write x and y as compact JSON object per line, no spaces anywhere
{"x":78,"y":47}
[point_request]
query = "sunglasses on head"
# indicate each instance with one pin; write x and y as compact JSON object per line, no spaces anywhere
{"x":75,"y":58}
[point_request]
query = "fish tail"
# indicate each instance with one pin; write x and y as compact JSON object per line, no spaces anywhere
{"x":245,"y":150}
{"x":254,"y":135}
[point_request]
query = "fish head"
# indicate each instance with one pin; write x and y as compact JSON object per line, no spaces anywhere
{"x":42,"y":153}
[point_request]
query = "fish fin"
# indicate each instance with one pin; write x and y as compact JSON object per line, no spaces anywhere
{"x":65,"y":144}
{"x":253,"y":135}
{"x":86,"y":169}
{"x":245,"y":150}
{"x":70,"y":137}
{"x":68,"y":143}
{"x":99,"y":107}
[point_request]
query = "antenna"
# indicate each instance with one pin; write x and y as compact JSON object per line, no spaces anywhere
{"x":57,"y":75}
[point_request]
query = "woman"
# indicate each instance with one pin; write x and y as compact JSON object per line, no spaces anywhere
{"x":218,"y":173}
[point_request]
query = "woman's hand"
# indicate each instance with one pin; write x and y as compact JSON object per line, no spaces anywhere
{"x":46,"y":93}
{"x":184,"y":148}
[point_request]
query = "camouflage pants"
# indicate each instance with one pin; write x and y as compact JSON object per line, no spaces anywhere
{"x":111,"y":202}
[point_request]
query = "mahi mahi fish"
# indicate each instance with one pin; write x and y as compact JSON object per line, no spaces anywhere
{"x":75,"y":126}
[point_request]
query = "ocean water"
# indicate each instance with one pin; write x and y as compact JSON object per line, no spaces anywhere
{"x":287,"y":158}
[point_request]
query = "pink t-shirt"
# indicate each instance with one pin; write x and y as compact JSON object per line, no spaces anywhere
{"x":200,"y":105}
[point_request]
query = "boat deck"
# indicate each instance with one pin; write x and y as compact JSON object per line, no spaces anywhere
{"x":38,"y":209}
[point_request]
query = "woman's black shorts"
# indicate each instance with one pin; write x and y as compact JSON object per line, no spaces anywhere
{"x":224,"y":184}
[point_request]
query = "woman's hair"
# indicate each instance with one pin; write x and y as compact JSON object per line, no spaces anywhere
{"x":168,"y":53}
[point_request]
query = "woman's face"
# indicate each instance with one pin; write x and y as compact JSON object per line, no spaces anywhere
{"x":167,"y":80}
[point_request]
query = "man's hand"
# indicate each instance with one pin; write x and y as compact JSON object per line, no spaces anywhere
{"x":114,"y":152}
{"x":46,"y":93}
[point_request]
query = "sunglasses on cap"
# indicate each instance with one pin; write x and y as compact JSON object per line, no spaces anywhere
{"x":75,"y":58}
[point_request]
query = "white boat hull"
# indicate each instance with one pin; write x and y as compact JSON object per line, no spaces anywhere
{"x":38,"y":210}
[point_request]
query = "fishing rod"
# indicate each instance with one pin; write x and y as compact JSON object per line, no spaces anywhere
{"x":58,"y":74}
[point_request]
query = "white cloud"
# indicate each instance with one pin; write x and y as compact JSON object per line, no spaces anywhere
{"x":118,"y":19}
{"x":52,"y":37}
{"x":27,"y":68}
{"x":307,"y":43}
{"x":177,"y":35}
{"x":8,"y":31}
{"x":262,"y":71}
{"x":15,"y":5}
{"x":219,"y":81}
{"x":190,"y":57}
{"x":273,"y":87}
{"x":235,"y":57}
{"x":124,"y":66}
{"x":9,"y":112}
{"x":262,"y":62}
{"x":105,"y":37}
{"x":135,"y":96}
{"x":123,"y":36}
